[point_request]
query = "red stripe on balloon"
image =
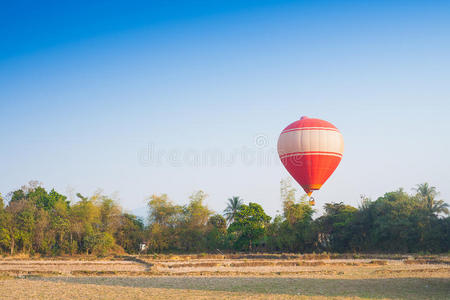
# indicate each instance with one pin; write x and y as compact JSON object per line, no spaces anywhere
{"x":310,"y":153}
{"x":310,"y":128}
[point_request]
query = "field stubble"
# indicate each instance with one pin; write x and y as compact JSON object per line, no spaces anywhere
{"x":253,"y":277}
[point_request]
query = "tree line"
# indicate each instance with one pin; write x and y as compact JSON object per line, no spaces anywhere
{"x":36,"y":221}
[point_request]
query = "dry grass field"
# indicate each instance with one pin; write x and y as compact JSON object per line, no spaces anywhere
{"x":285,"y":276}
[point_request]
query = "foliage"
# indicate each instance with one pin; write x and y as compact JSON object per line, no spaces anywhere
{"x":334,"y":226}
{"x":130,"y":233}
{"x":98,"y":243}
{"x":163,"y":219}
{"x":427,"y":196}
{"x":33,"y":220}
{"x":37,"y":221}
{"x":192,"y":230}
{"x":233,"y":205}
{"x":249,"y":225}
{"x":216,"y":233}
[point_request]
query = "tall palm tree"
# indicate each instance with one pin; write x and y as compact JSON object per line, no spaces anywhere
{"x":427,"y":194}
{"x":233,"y":205}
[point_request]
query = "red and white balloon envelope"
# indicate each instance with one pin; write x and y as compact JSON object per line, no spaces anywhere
{"x":310,"y":149}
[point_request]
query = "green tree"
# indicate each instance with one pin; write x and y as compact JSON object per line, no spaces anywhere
{"x":5,"y":238}
{"x":249,"y":225}
{"x":34,"y":220}
{"x":53,"y":198}
{"x":99,"y":243}
{"x":110,"y":213}
{"x":84,"y":217}
{"x":291,"y":231}
{"x":17,"y":195}
{"x":130,"y":233}
{"x":159,"y":238}
{"x":218,"y":222}
{"x":216,"y":232}
{"x":335,"y":226}
{"x":192,"y":229}
{"x":39,"y":197}
{"x":20,"y":219}
{"x":361,"y":226}
{"x":196,"y":212}
{"x":163,"y":219}
{"x":297,"y":227}
{"x":278,"y":237}
{"x":393,"y":226}
{"x":427,"y":195}
{"x":60,"y":225}
{"x":44,"y":236}
{"x":233,"y":205}
{"x":162,"y":211}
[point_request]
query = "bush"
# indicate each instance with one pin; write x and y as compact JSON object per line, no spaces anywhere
{"x":99,"y":243}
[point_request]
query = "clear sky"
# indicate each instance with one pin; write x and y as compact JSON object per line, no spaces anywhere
{"x":133,"y":97}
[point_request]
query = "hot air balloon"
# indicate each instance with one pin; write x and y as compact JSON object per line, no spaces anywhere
{"x":310,"y":149}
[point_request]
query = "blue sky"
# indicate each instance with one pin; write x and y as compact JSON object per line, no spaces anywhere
{"x":91,"y":93}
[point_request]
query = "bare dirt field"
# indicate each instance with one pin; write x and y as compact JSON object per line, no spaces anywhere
{"x":227,"y":277}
